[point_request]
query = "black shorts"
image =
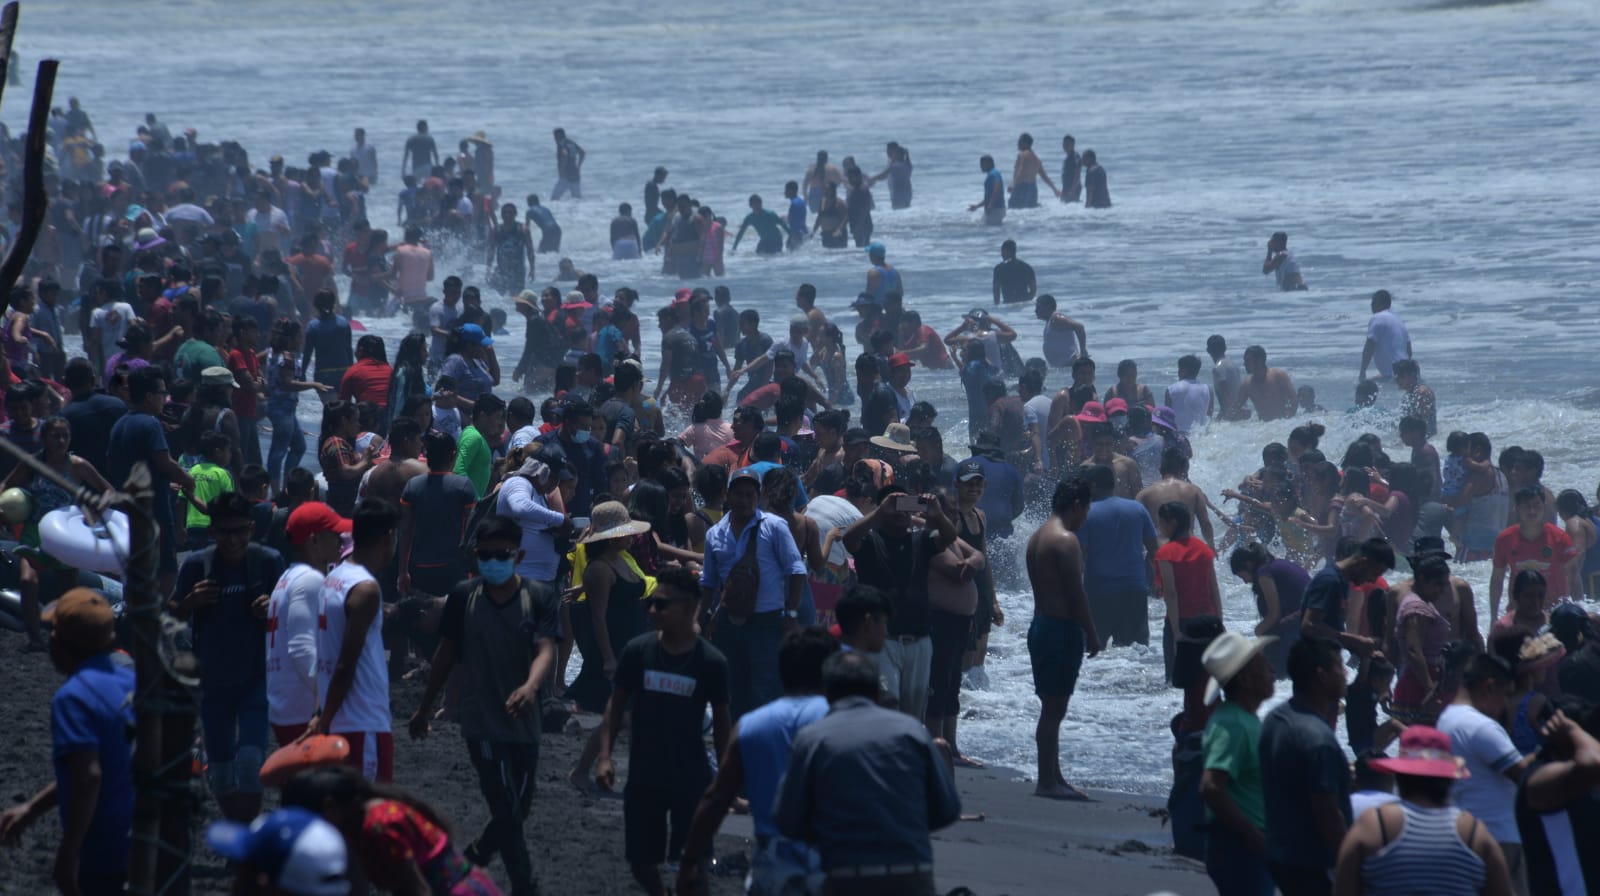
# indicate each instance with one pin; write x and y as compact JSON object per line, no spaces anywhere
{"x":646,"y":813}
{"x":1055,"y":651}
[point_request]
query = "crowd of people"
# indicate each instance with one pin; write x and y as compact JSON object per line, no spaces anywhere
{"x":771,"y":545}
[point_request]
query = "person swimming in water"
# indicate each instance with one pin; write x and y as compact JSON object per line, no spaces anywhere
{"x":1280,"y":262}
{"x":770,"y":229}
{"x":1026,"y":174}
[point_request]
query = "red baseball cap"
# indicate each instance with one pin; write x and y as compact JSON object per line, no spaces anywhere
{"x":312,"y":517}
{"x":901,"y":359}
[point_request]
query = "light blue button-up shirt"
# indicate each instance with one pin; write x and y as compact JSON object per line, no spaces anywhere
{"x":776,"y":555}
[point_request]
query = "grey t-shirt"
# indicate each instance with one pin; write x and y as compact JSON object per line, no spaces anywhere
{"x":440,"y":317}
{"x":441,"y":502}
{"x":496,"y":643}
{"x":1300,"y":756}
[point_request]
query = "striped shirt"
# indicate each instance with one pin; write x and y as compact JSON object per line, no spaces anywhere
{"x":1427,"y":858}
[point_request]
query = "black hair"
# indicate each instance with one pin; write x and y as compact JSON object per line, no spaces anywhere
{"x":1179,"y":515}
{"x":253,"y":478}
{"x":709,"y":407}
{"x":1484,"y":668}
{"x":1174,"y":462}
{"x":143,"y":382}
{"x":1379,"y":551}
{"x":374,"y":519}
{"x":1100,"y":479}
{"x":1073,"y":491}
{"x":1249,"y":558}
{"x":441,"y":450}
{"x":228,"y":505}
{"x":852,"y":674}
{"x":488,"y":403}
{"x":1310,"y":656}
{"x":801,"y":655}
{"x":498,"y":528}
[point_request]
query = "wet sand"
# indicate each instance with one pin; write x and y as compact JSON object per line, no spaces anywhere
{"x":1025,"y":845}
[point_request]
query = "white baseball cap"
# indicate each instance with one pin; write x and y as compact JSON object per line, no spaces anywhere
{"x":301,"y":853}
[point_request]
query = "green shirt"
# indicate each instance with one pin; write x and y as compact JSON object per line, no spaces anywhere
{"x":1232,"y":745}
{"x":474,"y":459}
{"x":193,"y":357}
{"x":210,"y":481}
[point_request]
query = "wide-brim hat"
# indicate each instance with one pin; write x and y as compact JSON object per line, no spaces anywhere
{"x":1424,"y":753}
{"x":1227,"y":655}
{"x":608,"y":520}
{"x":480,"y":137}
{"x":218,"y":376}
{"x":897,"y":437}
{"x":1166,"y":417}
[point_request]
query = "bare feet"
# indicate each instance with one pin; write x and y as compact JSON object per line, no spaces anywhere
{"x":966,"y":762}
{"x":580,"y":779}
{"x":1062,"y":791}
{"x":975,"y":816}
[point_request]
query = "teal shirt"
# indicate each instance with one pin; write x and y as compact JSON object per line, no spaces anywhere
{"x":1232,"y":742}
{"x":193,"y":357}
{"x":474,"y":459}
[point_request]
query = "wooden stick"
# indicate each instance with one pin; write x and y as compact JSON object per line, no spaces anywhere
{"x":34,"y":202}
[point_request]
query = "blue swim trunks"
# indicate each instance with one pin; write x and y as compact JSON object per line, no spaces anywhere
{"x":1055,"y":650}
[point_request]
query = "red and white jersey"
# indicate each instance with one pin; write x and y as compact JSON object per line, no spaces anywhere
{"x":292,"y":615}
{"x":366,"y":706}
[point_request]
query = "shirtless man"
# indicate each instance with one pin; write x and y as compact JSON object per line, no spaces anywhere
{"x":389,"y":478}
{"x":1025,"y":176}
{"x":805,"y":298}
{"x":1062,"y":630}
{"x":1175,"y":486}
{"x":1104,"y":443}
{"x":1268,"y":389}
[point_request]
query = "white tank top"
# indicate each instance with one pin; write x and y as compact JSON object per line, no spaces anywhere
{"x":292,"y":630}
{"x":366,"y":706}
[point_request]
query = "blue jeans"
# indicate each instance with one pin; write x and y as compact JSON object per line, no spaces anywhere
{"x":752,"y":652}
{"x":234,"y":724}
{"x":288,"y":446}
{"x":1234,"y":869}
{"x":249,"y":439}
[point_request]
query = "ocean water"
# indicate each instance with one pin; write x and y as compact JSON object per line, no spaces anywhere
{"x":1441,"y":150}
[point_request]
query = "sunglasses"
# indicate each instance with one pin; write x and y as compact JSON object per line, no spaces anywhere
{"x":507,"y":554}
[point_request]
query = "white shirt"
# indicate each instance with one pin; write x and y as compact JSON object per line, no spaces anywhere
{"x":188,"y":211}
{"x":1227,"y":376}
{"x":519,"y":500}
{"x":1390,"y":338}
{"x":1488,"y":750}
{"x":522,"y":437}
{"x":109,"y":323}
{"x":833,"y":512}
{"x":366,"y":705}
{"x":366,"y":156}
{"x":1190,"y":402}
{"x":292,"y":646}
{"x":1036,"y":415}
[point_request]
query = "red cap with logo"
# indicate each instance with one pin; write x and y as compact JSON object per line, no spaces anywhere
{"x":312,"y":517}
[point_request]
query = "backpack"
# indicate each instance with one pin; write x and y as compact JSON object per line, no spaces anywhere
{"x":480,"y":512}
{"x":553,"y":713}
{"x":743,"y":582}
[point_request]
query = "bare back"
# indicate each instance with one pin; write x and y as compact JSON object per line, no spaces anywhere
{"x":388,"y":479}
{"x":1055,"y":570}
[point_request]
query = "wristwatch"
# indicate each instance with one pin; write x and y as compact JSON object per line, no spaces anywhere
{"x":791,"y":614}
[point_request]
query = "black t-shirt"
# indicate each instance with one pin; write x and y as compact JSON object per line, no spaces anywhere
{"x":1541,"y":844}
{"x":883,"y":561}
{"x":1579,"y":672}
{"x":830,"y":480}
{"x":1013,"y":276}
{"x":496,"y":646}
{"x":1328,"y":591}
{"x":670,"y":695}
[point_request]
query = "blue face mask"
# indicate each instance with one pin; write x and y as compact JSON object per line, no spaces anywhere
{"x":581,"y":436}
{"x":497,"y":572}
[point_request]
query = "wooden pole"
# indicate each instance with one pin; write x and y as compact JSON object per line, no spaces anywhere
{"x":142,"y":604}
{"x":34,"y":202}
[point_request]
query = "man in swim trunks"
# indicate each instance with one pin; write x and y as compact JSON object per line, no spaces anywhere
{"x":1280,"y":262}
{"x":1062,"y":630}
{"x":770,"y":229}
{"x":1014,"y":280}
{"x":1026,"y":174}
{"x":413,"y":271}
{"x":994,"y":194}
{"x":1268,"y":389}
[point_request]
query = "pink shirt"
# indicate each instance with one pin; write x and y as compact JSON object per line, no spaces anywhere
{"x":704,"y":438}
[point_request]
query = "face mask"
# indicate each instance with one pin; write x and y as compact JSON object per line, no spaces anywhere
{"x":581,"y":436}
{"x":497,"y":572}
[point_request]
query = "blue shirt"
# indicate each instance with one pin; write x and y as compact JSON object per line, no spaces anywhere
{"x":607,"y":341}
{"x":866,"y":785}
{"x":973,"y":376}
{"x":139,"y":436}
{"x":765,"y":736}
{"x":1113,"y":539}
{"x":797,"y":216}
{"x":994,"y":190}
{"x":1002,"y":494}
{"x":541,"y":217}
{"x":93,"y":713}
{"x":328,"y":342}
{"x":776,"y":555}
{"x":1328,"y":591}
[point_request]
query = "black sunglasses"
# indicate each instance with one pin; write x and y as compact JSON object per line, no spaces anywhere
{"x":507,"y":554}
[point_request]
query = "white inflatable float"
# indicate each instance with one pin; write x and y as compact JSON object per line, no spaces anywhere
{"x":68,"y":537}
